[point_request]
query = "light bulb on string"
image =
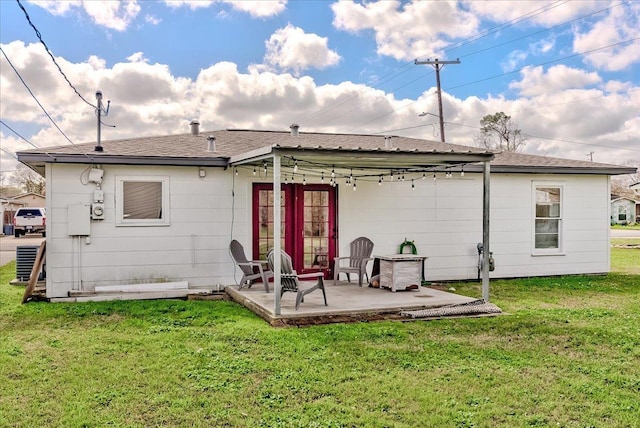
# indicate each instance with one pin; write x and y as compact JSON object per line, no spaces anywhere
{"x":434,"y":176}
{"x":285,"y":179}
{"x":424,"y":175}
{"x":391,"y":176}
{"x":236,"y":171}
{"x":254,"y":170}
{"x":403,"y":176}
{"x":333,"y":173}
{"x":380,"y":181}
{"x":322,"y":177}
{"x":462,"y":171}
{"x":304,"y":180}
{"x":413,"y":186}
{"x":295,"y":166}
{"x":265,"y":168}
{"x":354,"y":184}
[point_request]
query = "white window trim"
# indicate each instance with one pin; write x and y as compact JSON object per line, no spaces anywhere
{"x":121,"y":221}
{"x":547,"y":251}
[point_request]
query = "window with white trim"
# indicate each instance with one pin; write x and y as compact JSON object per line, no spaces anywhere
{"x":548,"y":218}
{"x":142,"y":201}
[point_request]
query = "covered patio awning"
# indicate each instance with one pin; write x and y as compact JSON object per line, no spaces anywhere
{"x":366,"y":162}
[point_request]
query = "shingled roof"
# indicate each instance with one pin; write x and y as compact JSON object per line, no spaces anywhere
{"x":190,"y":149}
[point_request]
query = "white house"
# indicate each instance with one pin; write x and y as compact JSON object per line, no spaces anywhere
{"x":623,"y":210}
{"x":164,"y":209}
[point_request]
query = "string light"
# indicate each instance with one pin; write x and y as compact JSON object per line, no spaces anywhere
{"x":424,"y":175}
{"x":391,"y":175}
{"x":413,"y":186}
{"x":333,"y":173}
{"x":285,"y":179}
{"x":434,"y":176}
{"x":254,"y":170}
{"x":322,"y":177}
{"x":236,"y":171}
{"x":380,"y":181}
{"x":462,"y":171}
{"x":295,"y":166}
{"x":403,"y":176}
{"x":448,"y":173}
{"x":304,"y":180}
{"x":354,"y":184}
{"x":265,"y":168}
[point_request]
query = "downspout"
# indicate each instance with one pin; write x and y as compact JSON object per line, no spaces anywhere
{"x":486,"y":175}
{"x":277,"y":232}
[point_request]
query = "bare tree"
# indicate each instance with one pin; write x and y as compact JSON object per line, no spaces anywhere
{"x":29,"y":180}
{"x":498,"y":132}
{"x":620,"y":183}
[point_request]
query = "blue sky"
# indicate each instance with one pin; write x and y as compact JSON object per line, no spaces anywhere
{"x":567,"y":72}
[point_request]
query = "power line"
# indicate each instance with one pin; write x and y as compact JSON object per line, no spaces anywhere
{"x":15,"y":132}
{"x":470,"y":39}
{"x":34,"y":97}
{"x":51,"y":55}
{"x":506,"y":74}
{"x":10,"y":154}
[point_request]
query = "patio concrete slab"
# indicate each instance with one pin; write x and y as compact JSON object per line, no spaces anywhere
{"x":346,"y":302}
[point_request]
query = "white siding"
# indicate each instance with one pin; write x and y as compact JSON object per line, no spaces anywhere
{"x":193,"y":248}
{"x":446,"y":225}
{"x":442,"y":217}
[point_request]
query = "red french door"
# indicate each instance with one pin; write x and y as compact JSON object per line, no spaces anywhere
{"x":308,"y":214}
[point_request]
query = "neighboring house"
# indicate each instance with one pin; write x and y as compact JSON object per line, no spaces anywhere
{"x":164,"y":209}
{"x":636,"y":190}
{"x":624,"y":210}
{"x":9,"y":206}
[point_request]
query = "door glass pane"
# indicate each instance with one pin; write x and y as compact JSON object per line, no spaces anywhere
{"x":265,"y":226}
{"x":316,"y":225}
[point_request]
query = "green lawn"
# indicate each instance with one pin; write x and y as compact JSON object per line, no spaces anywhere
{"x":567,"y":354}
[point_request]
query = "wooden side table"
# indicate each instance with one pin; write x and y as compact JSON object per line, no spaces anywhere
{"x":398,"y":271}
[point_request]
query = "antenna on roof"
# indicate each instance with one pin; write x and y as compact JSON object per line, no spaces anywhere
{"x":100,"y":110}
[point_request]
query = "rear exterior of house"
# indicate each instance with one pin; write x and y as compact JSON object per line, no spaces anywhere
{"x":162,"y":224}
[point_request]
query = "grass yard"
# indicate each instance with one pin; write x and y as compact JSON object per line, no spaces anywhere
{"x":567,"y":354}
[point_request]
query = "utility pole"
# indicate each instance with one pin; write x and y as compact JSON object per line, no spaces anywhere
{"x":437,"y":64}
{"x":590,"y":155}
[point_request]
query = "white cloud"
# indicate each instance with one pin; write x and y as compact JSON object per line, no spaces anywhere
{"x":257,"y":9}
{"x":557,"y":78}
{"x":621,"y":24}
{"x":191,"y":4}
{"x":57,"y":7}
{"x":147,"y":99}
{"x":115,"y":15}
{"x":150,"y":19}
{"x":290,"y":48}
{"x":513,"y":61}
{"x":533,"y":12}
{"x":407,"y":31}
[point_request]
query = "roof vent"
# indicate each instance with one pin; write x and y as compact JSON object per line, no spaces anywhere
{"x":387,"y":141}
{"x":211,"y":143}
{"x":195,"y":127}
{"x":294,"y":129}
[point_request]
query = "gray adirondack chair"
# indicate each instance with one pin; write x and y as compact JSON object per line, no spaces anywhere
{"x":251,"y":269}
{"x":291,"y":281}
{"x":360,"y":251}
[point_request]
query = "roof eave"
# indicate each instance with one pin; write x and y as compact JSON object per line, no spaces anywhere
{"x":524,"y":169}
{"x":41,"y":158}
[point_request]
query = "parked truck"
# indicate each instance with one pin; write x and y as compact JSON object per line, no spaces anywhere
{"x":29,"y":220}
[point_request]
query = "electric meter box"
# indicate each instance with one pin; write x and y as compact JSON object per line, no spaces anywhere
{"x":78,"y":220}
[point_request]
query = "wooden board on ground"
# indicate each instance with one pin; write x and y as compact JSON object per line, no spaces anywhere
{"x":35,"y":272}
